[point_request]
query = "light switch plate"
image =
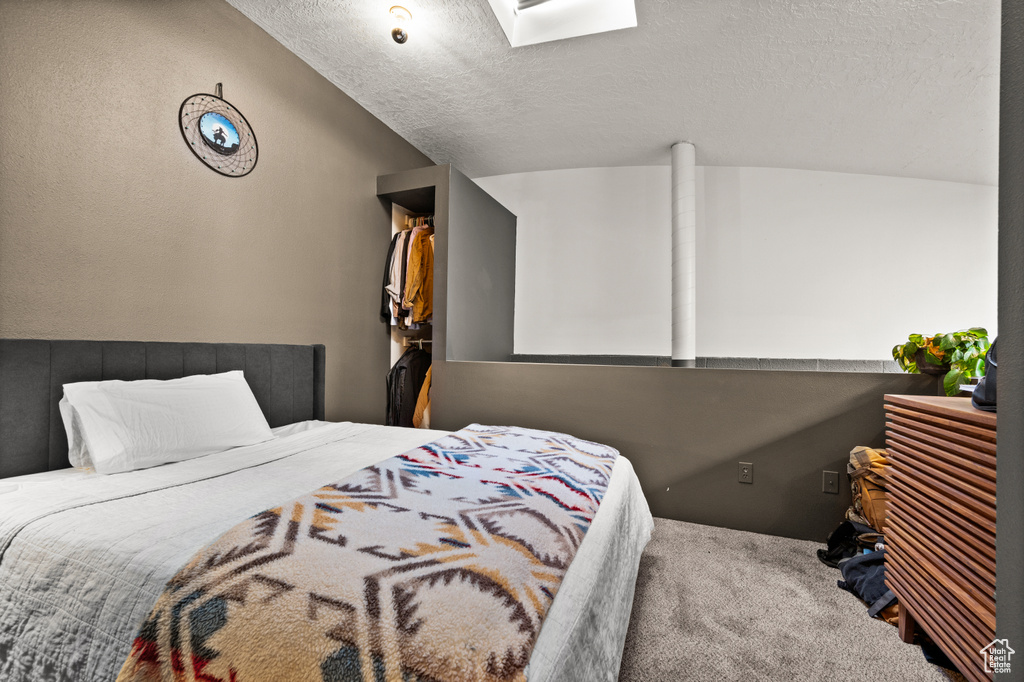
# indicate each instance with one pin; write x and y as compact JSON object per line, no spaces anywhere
{"x":830,"y":482}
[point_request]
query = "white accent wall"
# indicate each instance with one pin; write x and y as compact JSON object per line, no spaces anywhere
{"x":596,"y":253}
{"x":790,"y":263}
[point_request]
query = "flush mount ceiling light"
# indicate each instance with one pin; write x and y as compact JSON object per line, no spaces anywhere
{"x":528,"y":22}
{"x":402,"y":17}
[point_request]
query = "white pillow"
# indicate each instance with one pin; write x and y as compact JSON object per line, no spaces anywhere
{"x":128,"y":425}
{"x":77,"y":453}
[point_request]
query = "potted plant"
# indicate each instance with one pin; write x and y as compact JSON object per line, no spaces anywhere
{"x":960,"y":356}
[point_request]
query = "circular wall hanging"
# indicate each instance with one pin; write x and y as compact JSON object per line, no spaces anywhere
{"x":218,"y":134}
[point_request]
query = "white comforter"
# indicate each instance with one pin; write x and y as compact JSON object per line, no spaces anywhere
{"x":83,"y":556}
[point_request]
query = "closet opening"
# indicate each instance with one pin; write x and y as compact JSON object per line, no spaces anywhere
{"x":407,"y":307}
{"x":472,"y":291}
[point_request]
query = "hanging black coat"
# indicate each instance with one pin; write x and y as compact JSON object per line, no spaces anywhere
{"x":404,"y":382}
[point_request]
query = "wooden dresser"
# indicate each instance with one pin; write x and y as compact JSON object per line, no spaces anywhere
{"x":941,"y":523}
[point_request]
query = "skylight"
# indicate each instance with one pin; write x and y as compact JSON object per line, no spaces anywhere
{"x":528,"y":22}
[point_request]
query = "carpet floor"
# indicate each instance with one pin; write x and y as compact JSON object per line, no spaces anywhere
{"x":716,"y":604}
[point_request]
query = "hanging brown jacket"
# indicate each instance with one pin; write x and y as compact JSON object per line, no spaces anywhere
{"x":419,"y":283}
{"x":421,"y":417}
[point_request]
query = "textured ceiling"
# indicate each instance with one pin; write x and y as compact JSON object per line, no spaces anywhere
{"x":889,"y":87}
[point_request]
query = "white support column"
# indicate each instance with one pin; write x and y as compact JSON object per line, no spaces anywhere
{"x":684,"y":255}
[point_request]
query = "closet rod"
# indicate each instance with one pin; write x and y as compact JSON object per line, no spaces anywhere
{"x":407,"y":342}
{"x":410,"y":219}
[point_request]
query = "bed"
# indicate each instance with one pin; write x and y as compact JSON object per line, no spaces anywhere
{"x":83,"y":557}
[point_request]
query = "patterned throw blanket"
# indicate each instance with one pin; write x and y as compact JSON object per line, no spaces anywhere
{"x":437,"y":565}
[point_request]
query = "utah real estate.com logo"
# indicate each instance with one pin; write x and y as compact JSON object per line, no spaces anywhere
{"x":997,"y":656}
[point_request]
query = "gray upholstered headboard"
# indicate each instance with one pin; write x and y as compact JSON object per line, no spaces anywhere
{"x":288,"y":382}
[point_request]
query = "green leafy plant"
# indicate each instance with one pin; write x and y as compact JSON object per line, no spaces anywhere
{"x":959,"y":355}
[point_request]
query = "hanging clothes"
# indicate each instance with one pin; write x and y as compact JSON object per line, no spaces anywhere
{"x":404,"y":382}
{"x":408,"y":297}
{"x":395,"y":266}
{"x":385,"y":296}
{"x":403,"y":312}
{"x":419,"y":288}
{"x":395,"y":287}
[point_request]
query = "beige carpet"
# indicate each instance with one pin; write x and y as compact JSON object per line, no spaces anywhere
{"x":715,"y":604}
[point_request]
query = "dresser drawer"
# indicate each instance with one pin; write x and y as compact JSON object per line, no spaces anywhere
{"x":944,"y":497}
{"x":978,"y":462}
{"x":946,"y":425}
{"x":958,"y":646}
{"x":977,"y":442}
{"x":958,"y":586}
{"x":946,"y":536}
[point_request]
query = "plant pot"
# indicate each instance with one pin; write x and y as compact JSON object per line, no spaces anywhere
{"x":925,"y":367}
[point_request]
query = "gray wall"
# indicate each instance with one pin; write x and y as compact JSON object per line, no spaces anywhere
{"x":685,"y":430}
{"x":481,"y":274}
{"x":1010,"y":467}
{"x":111,"y":229}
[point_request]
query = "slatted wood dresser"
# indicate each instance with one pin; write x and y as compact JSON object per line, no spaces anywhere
{"x":941,"y":523}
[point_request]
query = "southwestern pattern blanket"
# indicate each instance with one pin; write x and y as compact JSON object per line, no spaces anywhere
{"x":436,"y":565}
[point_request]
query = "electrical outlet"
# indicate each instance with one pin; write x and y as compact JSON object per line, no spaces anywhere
{"x":830,"y":482}
{"x":746,"y":472}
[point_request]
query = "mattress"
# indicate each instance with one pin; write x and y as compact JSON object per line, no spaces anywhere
{"x":83,"y":557}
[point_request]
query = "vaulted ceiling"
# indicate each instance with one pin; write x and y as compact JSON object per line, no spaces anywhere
{"x":888,"y":87}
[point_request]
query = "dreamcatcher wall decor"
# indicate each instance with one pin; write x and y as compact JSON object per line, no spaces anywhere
{"x":218,"y":134}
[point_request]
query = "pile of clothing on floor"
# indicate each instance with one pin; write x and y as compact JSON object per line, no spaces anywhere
{"x":857,"y":546}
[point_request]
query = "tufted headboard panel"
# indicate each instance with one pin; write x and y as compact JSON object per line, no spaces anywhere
{"x":288,"y":382}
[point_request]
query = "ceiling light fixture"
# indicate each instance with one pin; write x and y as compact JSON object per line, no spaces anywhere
{"x":401,"y":15}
